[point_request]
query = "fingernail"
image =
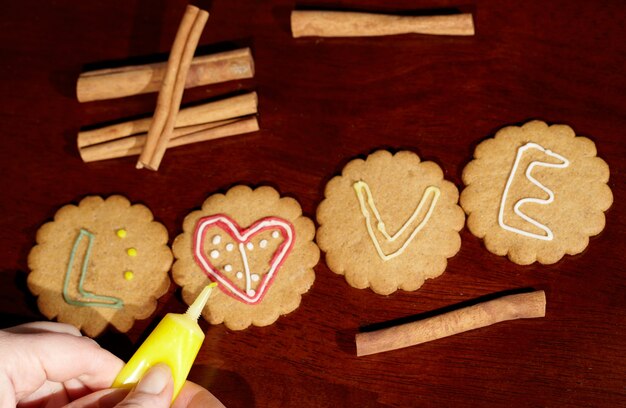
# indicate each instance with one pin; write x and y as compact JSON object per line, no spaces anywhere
{"x":155,"y":380}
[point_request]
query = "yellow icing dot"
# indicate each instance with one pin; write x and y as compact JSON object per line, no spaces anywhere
{"x":129,"y":275}
{"x":121,"y":233}
{"x":131,"y":252}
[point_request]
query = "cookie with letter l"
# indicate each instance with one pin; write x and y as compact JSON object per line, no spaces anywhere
{"x":104,"y":261}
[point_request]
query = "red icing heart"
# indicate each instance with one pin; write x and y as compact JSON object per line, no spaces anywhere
{"x":242,"y":239}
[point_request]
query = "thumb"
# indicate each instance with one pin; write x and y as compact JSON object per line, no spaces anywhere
{"x":154,"y":390}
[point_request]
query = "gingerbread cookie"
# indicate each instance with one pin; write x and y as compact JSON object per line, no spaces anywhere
{"x":257,"y":246}
{"x":389,"y":222}
{"x":101,"y":262}
{"x":536,"y":192}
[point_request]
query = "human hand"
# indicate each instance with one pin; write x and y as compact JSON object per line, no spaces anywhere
{"x":47,"y":364}
{"x":154,"y":390}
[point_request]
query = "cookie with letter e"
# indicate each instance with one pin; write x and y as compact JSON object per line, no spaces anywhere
{"x":536,"y":192}
{"x":104,"y":261}
{"x":259,"y":249}
{"x":389,"y":222}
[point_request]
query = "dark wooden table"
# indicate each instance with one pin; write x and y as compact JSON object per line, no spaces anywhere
{"x":323,"y":102}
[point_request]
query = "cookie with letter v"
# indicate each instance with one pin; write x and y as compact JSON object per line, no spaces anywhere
{"x":389,"y":222}
{"x":257,"y":246}
{"x":536,"y":192}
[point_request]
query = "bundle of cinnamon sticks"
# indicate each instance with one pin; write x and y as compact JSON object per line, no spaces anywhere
{"x":228,"y":117}
{"x":170,"y":126}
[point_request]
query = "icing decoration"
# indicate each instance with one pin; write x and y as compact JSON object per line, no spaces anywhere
{"x":516,"y":208}
{"x":121,"y":233}
{"x":216,"y":240}
{"x":131,"y":252}
{"x":263,"y":243}
{"x":362,"y":189}
{"x":250,"y":246}
{"x":215,"y":254}
{"x":230,"y":247}
{"x":129,"y":275}
{"x":228,"y":268}
{"x":94,"y":300}
{"x":242,"y":238}
{"x":242,"y":251}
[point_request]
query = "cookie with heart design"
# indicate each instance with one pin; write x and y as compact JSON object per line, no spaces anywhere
{"x":257,"y":246}
{"x":104,"y":261}
{"x":389,"y":222}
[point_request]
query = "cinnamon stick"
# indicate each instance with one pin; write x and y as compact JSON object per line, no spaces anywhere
{"x":522,"y":306}
{"x":206,"y":113}
{"x":352,"y":24}
{"x":133,"y":145}
{"x":172,"y":87}
{"x":138,"y":79}
{"x":104,"y":150}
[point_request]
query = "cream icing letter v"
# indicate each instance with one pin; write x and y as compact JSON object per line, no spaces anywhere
{"x":544,"y":201}
{"x":362,"y":191}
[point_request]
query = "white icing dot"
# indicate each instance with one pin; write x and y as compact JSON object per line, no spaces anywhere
{"x":239,"y":275}
{"x":275,"y":234}
{"x":229,"y":247}
{"x":216,"y":240}
{"x":263,"y":243}
{"x":251,"y":292}
{"x":250,"y":246}
{"x":215,"y":254}
{"x":228,"y":267}
{"x":254,"y":277}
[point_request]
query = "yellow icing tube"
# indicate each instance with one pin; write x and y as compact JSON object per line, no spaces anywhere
{"x":175,"y":341}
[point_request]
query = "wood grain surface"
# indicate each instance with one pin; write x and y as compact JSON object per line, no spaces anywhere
{"x":323,"y":102}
